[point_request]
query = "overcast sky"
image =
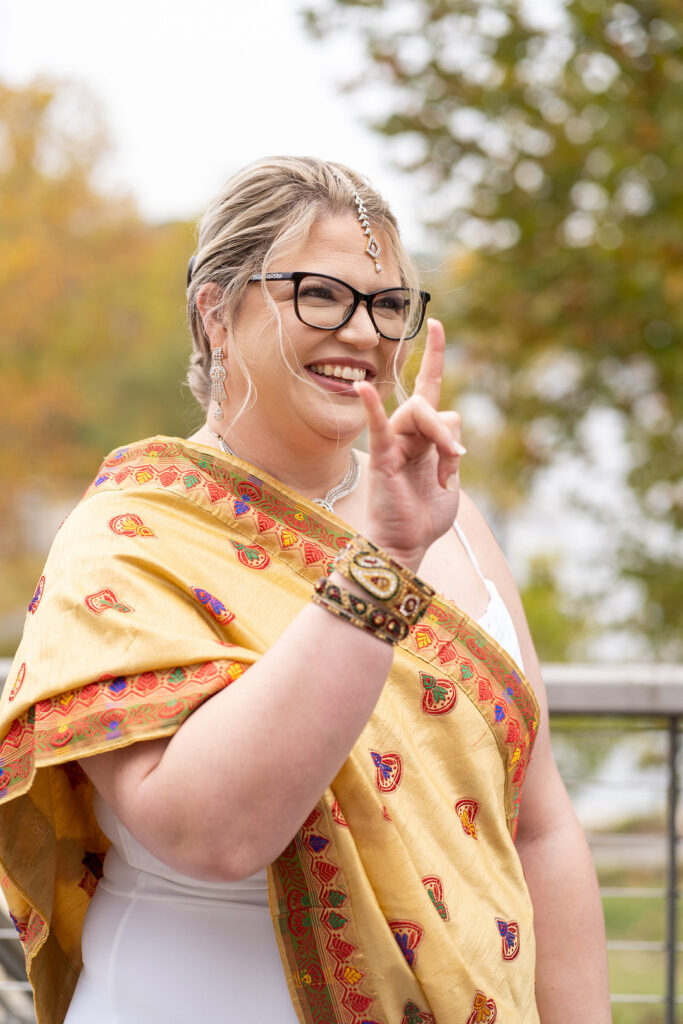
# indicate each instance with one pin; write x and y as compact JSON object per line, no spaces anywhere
{"x":192,"y":91}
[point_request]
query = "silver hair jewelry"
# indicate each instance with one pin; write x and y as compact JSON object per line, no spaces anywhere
{"x":218,"y":375}
{"x":344,"y":487}
{"x":373,"y":248}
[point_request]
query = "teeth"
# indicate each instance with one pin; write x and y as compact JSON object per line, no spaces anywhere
{"x":339,"y":372}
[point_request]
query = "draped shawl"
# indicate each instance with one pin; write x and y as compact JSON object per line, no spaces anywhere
{"x":401,"y":899}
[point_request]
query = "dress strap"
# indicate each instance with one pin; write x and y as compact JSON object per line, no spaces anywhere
{"x":466,"y":544}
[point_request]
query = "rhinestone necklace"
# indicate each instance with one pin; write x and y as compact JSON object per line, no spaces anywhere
{"x":344,"y":487}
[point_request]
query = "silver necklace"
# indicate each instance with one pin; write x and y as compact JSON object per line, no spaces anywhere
{"x":336,"y":493}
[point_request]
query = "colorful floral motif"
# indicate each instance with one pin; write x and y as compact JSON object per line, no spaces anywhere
{"x":214,"y":607}
{"x":509,"y":933}
{"x":412,"y":1014}
{"x":389,"y":770}
{"x":434,"y":887}
{"x":252,"y":555}
{"x":408,"y":934}
{"x":129,"y":525}
{"x":506,"y":704}
{"x":106,"y":600}
{"x":467,"y":811}
{"x":483,"y":1010}
{"x":439,"y":696}
{"x":35,"y":600}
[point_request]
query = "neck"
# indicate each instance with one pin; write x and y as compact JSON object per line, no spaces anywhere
{"x":312,"y":473}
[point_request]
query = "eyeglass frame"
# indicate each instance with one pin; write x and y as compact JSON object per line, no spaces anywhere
{"x":358,"y":297}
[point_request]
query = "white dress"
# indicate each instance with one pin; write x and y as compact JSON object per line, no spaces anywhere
{"x":162,"y":948}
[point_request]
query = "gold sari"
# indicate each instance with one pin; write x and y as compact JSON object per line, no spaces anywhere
{"x":401,"y":899}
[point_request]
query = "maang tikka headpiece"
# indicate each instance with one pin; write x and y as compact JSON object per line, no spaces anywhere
{"x":373,"y":248}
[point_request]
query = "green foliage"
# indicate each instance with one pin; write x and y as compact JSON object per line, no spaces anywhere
{"x":547,"y":150}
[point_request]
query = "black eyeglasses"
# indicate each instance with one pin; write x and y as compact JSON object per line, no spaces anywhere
{"x":328,"y":303}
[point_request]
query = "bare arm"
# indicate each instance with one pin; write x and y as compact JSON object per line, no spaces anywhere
{"x":571,"y":960}
{"x":227,"y":792}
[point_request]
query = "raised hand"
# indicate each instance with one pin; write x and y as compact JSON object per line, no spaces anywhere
{"x":414,"y":459}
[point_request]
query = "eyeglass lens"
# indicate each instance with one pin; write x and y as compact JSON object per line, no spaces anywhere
{"x":325,"y":303}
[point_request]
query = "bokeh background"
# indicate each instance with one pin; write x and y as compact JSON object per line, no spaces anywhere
{"x":533,"y":153}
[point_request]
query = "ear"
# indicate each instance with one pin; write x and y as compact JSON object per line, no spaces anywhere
{"x":209,"y":298}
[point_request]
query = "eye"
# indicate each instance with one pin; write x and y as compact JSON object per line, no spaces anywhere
{"x":321,"y":291}
{"x":394,"y":303}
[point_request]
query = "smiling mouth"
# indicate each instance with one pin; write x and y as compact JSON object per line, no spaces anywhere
{"x":342,"y":374}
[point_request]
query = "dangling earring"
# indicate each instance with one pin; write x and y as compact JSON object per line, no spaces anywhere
{"x":218,"y":375}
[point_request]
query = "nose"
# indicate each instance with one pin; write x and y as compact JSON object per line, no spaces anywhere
{"x":359,"y":330}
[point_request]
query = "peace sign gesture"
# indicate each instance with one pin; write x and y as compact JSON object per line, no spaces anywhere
{"x":413,"y":485}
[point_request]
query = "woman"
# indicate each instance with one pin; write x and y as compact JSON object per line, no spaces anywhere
{"x":234,"y":691}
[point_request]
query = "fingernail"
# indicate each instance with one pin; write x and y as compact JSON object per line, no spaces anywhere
{"x":458,"y":449}
{"x":452,"y":482}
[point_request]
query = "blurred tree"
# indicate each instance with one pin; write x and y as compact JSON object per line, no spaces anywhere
{"x":546,"y":141}
{"x":93,"y":343}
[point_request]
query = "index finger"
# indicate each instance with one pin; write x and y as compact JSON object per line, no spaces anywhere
{"x":428,"y":380}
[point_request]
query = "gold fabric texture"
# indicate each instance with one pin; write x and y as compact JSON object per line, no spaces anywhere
{"x":401,"y":900}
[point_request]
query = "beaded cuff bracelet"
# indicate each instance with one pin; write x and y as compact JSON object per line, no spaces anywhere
{"x":381,"y":622}
{"x":384,"y":579}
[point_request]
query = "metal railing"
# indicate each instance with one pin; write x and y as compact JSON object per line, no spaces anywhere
{"x":649,"y":693}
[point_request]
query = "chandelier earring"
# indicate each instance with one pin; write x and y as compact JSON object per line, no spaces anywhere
{"x":218,"y":375}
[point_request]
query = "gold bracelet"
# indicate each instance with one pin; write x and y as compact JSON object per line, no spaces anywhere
{"x":384,"y":579}
{"x":381,"y":622}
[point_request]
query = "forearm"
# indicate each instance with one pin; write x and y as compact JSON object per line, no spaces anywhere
{"x":571,"y":961}
{"x":247,"y":766}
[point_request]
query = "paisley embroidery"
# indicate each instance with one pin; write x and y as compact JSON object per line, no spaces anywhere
{"x":440,"y":695}
{"x":509,"y":933}
{"x":389,"y":770}
{"x":21,"y":675}
{"x":251,"y":555}
{"x":129,"y":525}
{"x":408,"y":934}
{"x":105,"y":600}
{"x":35,"y":600}
{"x":412,"y":1014}
{"x":434,"y":887}
{"x":214,"y":607}
{"x":467,"y":811}
{"x":483,"y":1010}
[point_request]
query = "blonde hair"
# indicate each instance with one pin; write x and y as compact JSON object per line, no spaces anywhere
{"x":263,"y":210}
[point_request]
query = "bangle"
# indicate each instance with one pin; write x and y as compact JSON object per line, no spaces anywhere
{"x":381,"y":622}
{"x":384,"y":579}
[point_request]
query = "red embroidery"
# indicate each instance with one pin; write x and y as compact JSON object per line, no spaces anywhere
{"x":440,"y":695}
{"x":408,"y":934}
{"x":467,"y":811}
{"x":337,"y":815}
{"x":35,"y":600}
{"x":129,"y":525}
{"x":483,"y":1010}
{"x":389,"y":770}
{"x":18,"y":682}
{"x":106,"y":600}
{"x":434,"y":887}
{"x":509,"y":933}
